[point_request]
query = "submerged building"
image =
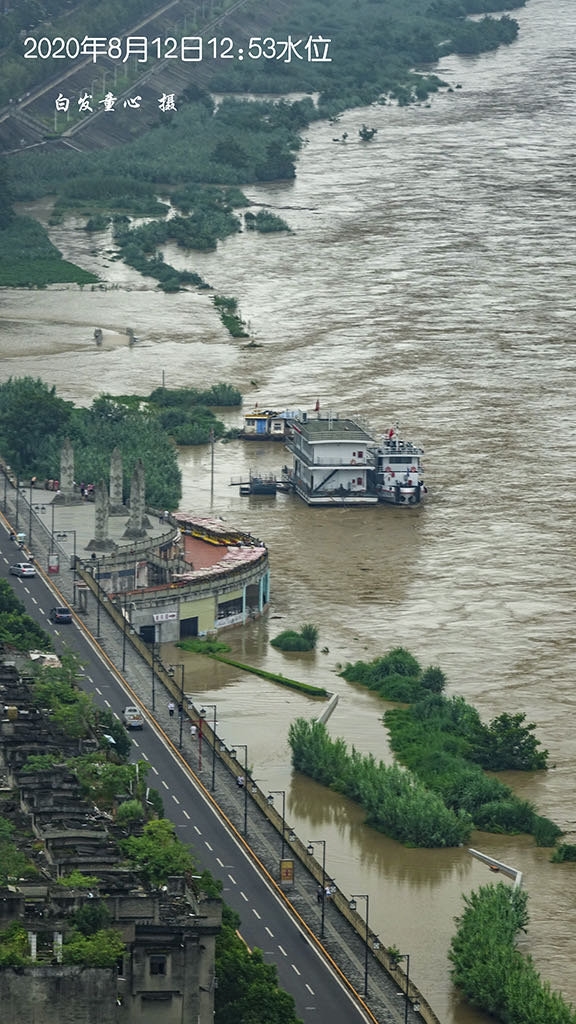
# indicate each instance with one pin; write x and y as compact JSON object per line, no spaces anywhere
{"x":202,"y":577}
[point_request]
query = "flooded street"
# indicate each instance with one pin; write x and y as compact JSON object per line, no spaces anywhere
{"x":429,"y":281}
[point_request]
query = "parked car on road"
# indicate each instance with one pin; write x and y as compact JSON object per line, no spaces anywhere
{"x":132,"y":718}
{"x":22,"y":569}
{"x":60,"y":615}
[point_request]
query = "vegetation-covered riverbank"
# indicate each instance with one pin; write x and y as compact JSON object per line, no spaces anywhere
{"x":145,"y":428}
{"x":227,"y":144}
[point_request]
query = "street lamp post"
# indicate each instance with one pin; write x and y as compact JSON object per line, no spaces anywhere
{"x":203,"y":715}
{"x":233,"y":753}
{"x":124,"y":609}
{"x":171,"y":670}
{"x":310,"y":849}
{"x":63,"y":536}
{"x":17,"y":502}
{"x":406,"y":957}
{"x":282,"y":793}
{"x":97,"y":596}
{"x":154,"y":671}
{"x":40,"y":510}
{"x":352,"y":904}
{"x":52,"y":527}
{"x":30,"y":517}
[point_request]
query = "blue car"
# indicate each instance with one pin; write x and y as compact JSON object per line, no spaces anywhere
{"x":60,"y":615}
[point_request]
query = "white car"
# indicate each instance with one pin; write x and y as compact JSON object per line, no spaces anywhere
{"x":132,"y":718}
{"x":22,"y":569}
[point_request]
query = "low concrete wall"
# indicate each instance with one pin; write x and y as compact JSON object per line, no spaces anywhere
{"x":58,"y":995}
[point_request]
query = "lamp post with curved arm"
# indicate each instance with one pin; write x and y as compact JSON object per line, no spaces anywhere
{"x":171,"y":671}
{"x":282,"y":793}
{"x":352,"y":905}
{"x":203,"y":715}
{"x":406,"y":957}
{"x":310,"y":849}
{"x":233,"y":753}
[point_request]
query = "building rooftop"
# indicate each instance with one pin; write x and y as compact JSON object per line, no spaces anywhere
{"x":331,"y":428}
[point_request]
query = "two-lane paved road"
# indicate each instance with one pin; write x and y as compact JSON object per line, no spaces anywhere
{"x":266,"y":923}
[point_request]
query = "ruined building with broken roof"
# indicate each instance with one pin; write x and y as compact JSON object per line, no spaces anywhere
{"x":166,"y":969}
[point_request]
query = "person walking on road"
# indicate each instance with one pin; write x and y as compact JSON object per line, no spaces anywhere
{"x":171,"y":709}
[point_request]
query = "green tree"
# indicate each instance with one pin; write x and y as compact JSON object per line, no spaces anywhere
{"x":78,"y":880}
{"x":130,"y":813}
{"x":103,"y":781}
{"x":158,"y":853}
{"x":102,"y":949}
{"x":92,"y":916}
{"x":433,"y":679}
{"x":14,"y":946}
{"x":23,"y":632}
{"x":488,"y":968}
{"x":509,"y":743}
{"x":110,"y":725}
{"x":33,"y":422}
{"x":13,"y":864}
{"x":247,"y":987}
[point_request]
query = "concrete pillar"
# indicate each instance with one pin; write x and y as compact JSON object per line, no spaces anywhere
{"x":101,"y":540}
{"x":117,"y":506}
{"x":138,"y":521}
{"x":66,"y":494}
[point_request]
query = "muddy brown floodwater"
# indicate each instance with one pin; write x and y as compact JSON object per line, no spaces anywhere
{"x":430,"y":280}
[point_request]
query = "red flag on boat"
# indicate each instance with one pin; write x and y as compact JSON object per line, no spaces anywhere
{"x":317,"y":406}
{"x":391,"y":433}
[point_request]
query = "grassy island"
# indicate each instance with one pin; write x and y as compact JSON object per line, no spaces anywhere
{"x":446,"y":750}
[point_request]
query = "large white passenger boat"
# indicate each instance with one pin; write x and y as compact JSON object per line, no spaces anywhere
{"x":336,"y":461}
{"x":399,"y":471}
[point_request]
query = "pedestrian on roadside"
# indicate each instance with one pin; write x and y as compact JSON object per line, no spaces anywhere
{"x":319,"y":894}
{"x":171,"y":709}
{"x":240,"y":781}
{"x":193,"y":731}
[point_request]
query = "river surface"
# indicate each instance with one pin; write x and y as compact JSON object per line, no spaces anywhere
{"x":429,"y":281}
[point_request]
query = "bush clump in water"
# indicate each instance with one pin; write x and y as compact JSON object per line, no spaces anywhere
{"x":292,"y":640}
